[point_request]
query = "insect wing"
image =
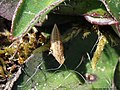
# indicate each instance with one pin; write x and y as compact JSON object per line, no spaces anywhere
{"x":56,"y":45}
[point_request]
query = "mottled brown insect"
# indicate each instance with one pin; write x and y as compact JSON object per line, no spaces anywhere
{"x":56,"y":45}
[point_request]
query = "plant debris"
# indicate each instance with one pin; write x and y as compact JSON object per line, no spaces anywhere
{"x":14,"y":53}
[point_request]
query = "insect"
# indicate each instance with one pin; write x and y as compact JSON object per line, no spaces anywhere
{"x":56,"y":45}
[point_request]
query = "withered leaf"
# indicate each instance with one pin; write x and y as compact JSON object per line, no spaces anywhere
{"x":7,"y":8}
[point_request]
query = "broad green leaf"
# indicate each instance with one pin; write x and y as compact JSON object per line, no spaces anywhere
{"x":79,"y":7}
{"x":28,"y":12}
{"x":113,"y":7}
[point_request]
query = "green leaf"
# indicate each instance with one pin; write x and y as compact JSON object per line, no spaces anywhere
{"x":28,"y":12}
{"x":113,"y":7}
{"x":79,"y":7}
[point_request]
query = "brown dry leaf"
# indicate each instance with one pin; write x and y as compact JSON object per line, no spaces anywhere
{"x":7,"y":8}
{"x":56,"y":45}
